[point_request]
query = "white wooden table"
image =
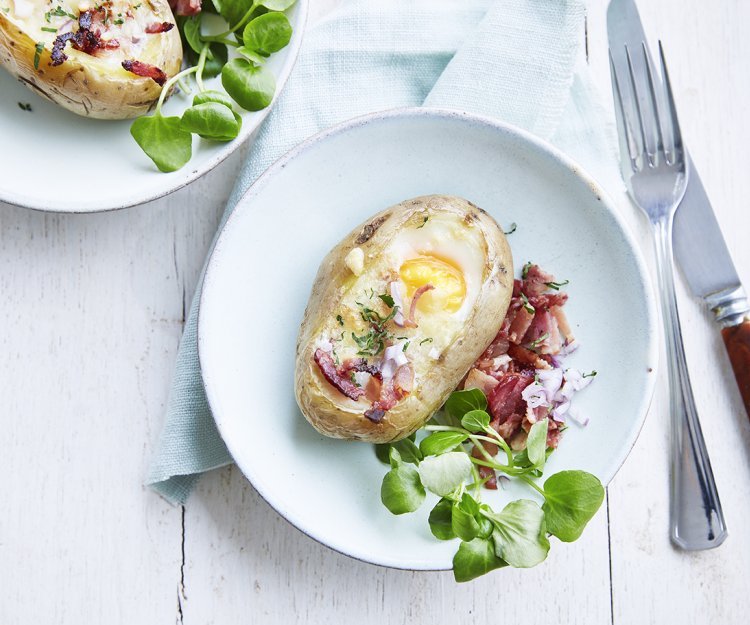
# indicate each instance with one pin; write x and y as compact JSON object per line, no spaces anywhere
{"x":91,"y":312}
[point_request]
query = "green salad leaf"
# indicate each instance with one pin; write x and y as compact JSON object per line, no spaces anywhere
{"x":474,"y":559}
{"x":571,"y":500}
{"x":164,"y":141}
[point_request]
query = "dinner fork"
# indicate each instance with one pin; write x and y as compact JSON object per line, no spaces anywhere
{"x":656,"y":170}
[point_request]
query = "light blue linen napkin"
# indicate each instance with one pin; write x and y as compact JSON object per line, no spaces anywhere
{"x":516,"y":60}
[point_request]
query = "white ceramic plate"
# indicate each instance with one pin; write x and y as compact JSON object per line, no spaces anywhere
{"x":264,"y":262}
{"x":54,"y":160}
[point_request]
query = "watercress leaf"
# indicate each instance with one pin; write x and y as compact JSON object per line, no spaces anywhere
{"x":191,"y":29}
{"x":461,"y":402}
{"x":277,"y":5}
{"x":383,"y":452}
{"x":211,"y":120}
{"x":464,"y":524}
{"x":394,"y":457}
{"x":212,"y":96}
{"x":519,"y":534}
{"x":521,"y":459}
{"x":163,"y":140}
{"x":475,"y":558}
{"x":443,"y":474}
{"x":402,"y":491}
{"x":469,"y":504}
{"x":251,"y":87}
{"x":267,"y":33}
{"x":536,"y":444}
{"x":408,"y":450}
{"x":210,"y":6}
{"x":233,"y":10}
{"x":440,"y":442}
{"x":572,"y":499}
{"x":441,"y":520}
{"x":476,"y":420}
{"x":485,"y":527}
{"x":251,"y":55}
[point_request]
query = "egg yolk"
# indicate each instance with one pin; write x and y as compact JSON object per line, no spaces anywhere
{"x":448,"y":282}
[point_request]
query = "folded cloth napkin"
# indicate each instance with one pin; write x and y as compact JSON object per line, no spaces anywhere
{"x":516,"y":60}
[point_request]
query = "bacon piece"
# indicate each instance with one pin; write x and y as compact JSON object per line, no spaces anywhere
{"x":526,"y":359}
{"x":535,"y":282}
{"x":544,"y":334}
{"x":547,"y":300}
{"x":520,"y":325}
{"x":562,"y":324}
{"x":506,"y":399}
{"x":479,"y":379}
{"x":330,"y":372}
{"x":84,"y":39}
{"x":392,"y":391}
{"x":146,"y":70}
{"x":508,"y":428}
{"x":159,"y":27}
{"x":185,"y":7}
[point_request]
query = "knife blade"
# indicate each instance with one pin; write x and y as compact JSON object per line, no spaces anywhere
{"x":699,"y":245}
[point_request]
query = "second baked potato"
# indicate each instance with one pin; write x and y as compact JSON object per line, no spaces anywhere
{"x":99,"y":59}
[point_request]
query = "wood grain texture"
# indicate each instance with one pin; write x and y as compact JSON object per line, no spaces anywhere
{"x":90,"y":317}
{"x":737,"y":341}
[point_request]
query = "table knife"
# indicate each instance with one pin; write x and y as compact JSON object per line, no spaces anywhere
{"x":698,"y":243}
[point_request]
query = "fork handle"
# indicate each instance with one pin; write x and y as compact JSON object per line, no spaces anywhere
{"x":696,"y":518}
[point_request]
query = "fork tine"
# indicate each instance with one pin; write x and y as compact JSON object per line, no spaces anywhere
{"x":652,"y":94}
{"x":678,"y":153}
{"x":637,"y":101}
{"x":628,"y":149}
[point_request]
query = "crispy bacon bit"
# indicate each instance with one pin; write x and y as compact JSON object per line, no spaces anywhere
{"x":159,"y":27}
{"x":479,"y":379}
{"x":392,"y":391}
{"x":185,"y":7}
{"x":84,"y":39}
{"x":506,"y":399}
{"x":330,"y":372}
{"x":147,"y":71}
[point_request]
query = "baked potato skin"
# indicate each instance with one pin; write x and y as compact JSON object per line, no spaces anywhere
{"x":88,"y":85}
{"x":335,"y":415}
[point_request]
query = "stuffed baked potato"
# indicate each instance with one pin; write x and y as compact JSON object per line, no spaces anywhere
{"x":399,"y":312}
{"x":99,"y":59}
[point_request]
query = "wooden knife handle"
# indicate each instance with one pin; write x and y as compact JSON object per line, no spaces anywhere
{"x":737,"y":342}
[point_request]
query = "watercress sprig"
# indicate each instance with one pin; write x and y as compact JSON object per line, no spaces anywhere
{"x":442,"y":464}
{"x":255,"y":30}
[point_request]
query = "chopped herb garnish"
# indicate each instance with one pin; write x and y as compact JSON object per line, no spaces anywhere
{"x":24,"y":106}
{"x":423,"y":223}
{"x":539,"y":339}
{"x":58,"y":12}
{"x":589,"y":375}
{"x":406,"y":346}
{"x":427,"y":340}
{"x":48,"y":29}
{"x":137,"y":6}
{"x":529,"y":308}
{"x":340,"y":319}
{"x":556,"y":285}
{"x":354,"y":380}
{"x":525,"y":270}
{"x":513,"y":228}
{"x":38,"y":49}
{"x":119,"y":21}
{"x":387,"y":300}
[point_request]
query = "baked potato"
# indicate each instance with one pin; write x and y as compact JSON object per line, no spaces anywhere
{"x":99,"y":59}
{"x":399,"y":311}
